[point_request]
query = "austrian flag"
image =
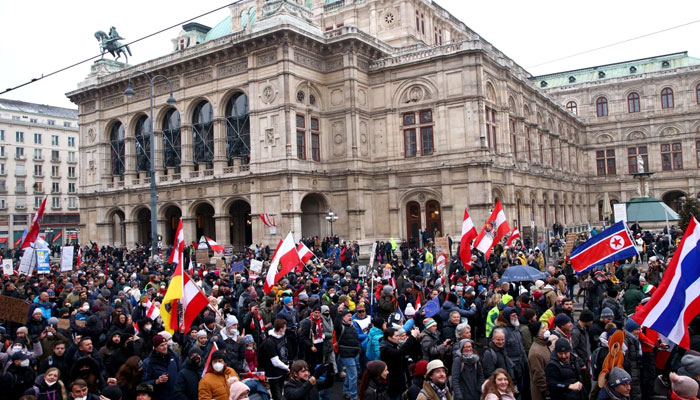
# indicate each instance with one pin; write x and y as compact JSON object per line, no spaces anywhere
{"x":468,"y":234}
{"x":494,"y":230}
{"x":286,"y":257}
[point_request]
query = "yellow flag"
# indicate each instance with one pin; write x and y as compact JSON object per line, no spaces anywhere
{"x":173,"y":294}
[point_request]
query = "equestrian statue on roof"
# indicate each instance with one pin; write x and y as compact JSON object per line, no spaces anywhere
{"x":110,"y":43}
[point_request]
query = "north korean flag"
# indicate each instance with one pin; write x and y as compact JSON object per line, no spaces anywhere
{"x":609,"y":245}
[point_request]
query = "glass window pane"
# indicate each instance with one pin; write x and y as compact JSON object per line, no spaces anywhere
{"x":410,"y":142}
{"x":426,"y":116}
{"x":665,"y":147}
{"x":631,"y":151}
{"x":314,"y":124}
{"x":300,"y":121}
{"x":409,"y":119}
{"x":600,"y":154}
{"x":677,"y":160}
{"x":666,"y":162}
{"x":676,"y":146}
{"x":427,"y":140}
{"x":611,"y":152}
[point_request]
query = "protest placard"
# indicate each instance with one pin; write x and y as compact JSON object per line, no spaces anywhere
{"x":12,"y":309}
{"x":67,"y":258}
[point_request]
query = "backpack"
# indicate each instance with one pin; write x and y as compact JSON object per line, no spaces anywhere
{"x":595,"y":368}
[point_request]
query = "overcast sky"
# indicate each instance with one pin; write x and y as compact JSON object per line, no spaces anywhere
{"x":39,"y":37}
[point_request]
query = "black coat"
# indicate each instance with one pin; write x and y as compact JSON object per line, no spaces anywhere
{"x":303,"y":390}
{"x":348,"y":341}
{"x":16,"y":380}
{"x":376,"y":391}
{"x":559,"y":377}
{"x":395,"y":359}
{"x":187,"y":382}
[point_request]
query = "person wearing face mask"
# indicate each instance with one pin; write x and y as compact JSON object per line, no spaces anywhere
{"x":230,"y":340}
{"x":538,"y":359}
{"x":161,"y":368}
{"x":18,"y":377}
{"x":467,"y":372}
{"x":187,"y":381}
{"x":393,"y":353}
{"x":47,"y":386}
{"x":144,"y":343}
{"x":214,"y":385}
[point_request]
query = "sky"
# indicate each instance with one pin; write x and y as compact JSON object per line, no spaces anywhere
{"x":40,"y":37}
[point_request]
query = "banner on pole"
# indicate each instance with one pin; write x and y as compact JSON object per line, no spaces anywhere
{"x":67,"y":258}
{"x":25,"y":264}
{"x":43,"y":266}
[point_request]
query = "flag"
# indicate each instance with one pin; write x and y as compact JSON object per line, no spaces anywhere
{"x":58,"y":236}
{"x":172,"y":296}
{"x":515,"y":234}
{"x":441,"y":262}
{"x":417,"y":303}
{"x":304,"y":255}
{"x":432,"y":307}
{"x":468,"y":234}
{"x":610,"y":245}
{"x":214,"y":246}
{"x":676,"y":302}
{"x":495,"y":228}
{"x":136,"y":328}
{"x":34,"y":227}
{"x":193,"y":300}
{"x":214,"y":348}
{"x":152,"y":311}
{"x":20,"y":240}
{"x":79,"y":261}
{"x":176,"y":255}
{"x":286,"y":257}
{"x":268,"y":219}
{"x":237,"y":266}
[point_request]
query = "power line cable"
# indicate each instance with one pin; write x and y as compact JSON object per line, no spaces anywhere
{"x":124,"y":45}
{"x":614,"y":44}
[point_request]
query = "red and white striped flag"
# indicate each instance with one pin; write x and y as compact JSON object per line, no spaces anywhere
{"x":468,"y":234}
{"x":515,"y":234}
{"x":304,"y":255}
{"x":441,"y":263}
{"x":152,"y":311}
{"x":214,"y":348}
{"x":214,"y":246}
{"x":193,"y":300}
{"x":287,"y":257}
{"x":176,"y":256}
{"x":33,"y":232}
{"x":495,"y":228}
{"x":79,"y":261}
{"x":268,"y":219}
{"x":58,"y":236}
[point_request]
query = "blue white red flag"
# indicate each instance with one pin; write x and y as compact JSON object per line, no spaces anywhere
{"x":610,"y":245}
{"x":676,"y":302}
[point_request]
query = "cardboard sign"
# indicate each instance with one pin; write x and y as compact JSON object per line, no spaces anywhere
{"x":256,"y":266}
{"x":63,"y":323}
{"x":43,"y":265}
{"x":7,"y":267}
{"x":67,"y":258}
{"x":570,"y":240}
{"x":228,"y":250}
{"x":14,"y":310}
{"x":442,"y":245}
{"x":362,"y":270}
{"x":202,"y":256}
{"x":220,"y":264}
{"x":26,"y":264}
{"x":620,"y":211}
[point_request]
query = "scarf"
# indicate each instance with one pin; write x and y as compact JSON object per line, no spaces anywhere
{"x":674,"y":396}
{"x":441,"y":393}
{"x":318,"y":336}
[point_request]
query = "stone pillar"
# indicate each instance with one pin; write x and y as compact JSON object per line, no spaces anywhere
{"x":130,"y":159}
{"x":221,"y":223}
{"x":158,"y":144}
{"x":186,"y":155}
{"x":131,"y":234}
{"x":189,"y":228}
{"x":220,"y":159}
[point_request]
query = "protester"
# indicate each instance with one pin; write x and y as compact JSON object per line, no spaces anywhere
{"x":499,"y":386}
{"x":373,"y":385}
{"x":435,"y":386}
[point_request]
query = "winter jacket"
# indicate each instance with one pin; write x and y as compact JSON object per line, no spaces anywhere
{"x":303,"y":390}
{"x":514,"y":344}
{"x":16,"y":380}
{"x":494,"y":358}
{"x":634,"y":357}
{"x":395,"y":358}
{"x":375,"y":335}
{"x":156,"y":365}
{"x":427,"y":393}
{"x":387,"y":305}
{"x":580,"y":343}
{"x":186,"y":382}
{"x":559,"y":376}
{"x":376,"y":391}
{"x":214,"y":385}
{"x":416,"y":386}
{"x":467,"y":377}
{"x":538,"y":358}
{"x":616,"y":308}
{"x":42,"y":391}
{"x":447,"y":308}
{"x":632,"y":297}
{"x":235,"y":350}
{"x":432,"y":349}
{"x":348,"y":341}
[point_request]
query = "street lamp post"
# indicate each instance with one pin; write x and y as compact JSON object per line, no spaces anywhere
{"x":129,"y":92}
{"x":331,"y":217}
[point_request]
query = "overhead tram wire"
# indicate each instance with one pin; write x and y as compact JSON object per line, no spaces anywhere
{"x":124,"y":45}
{"x":614,"y":44}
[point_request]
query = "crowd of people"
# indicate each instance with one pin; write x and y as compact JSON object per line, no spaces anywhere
{"x":400,"y":330}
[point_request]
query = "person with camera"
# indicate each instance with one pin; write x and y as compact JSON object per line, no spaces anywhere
{"x":304,"y":384}
{"x":161,"y":368}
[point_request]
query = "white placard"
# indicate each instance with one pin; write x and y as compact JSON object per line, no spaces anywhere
{"x":256,"y":266}
{"x":26,"y":265}
{"x":7,"y":267}
{"x":620,"y":212}
{"x":371,"y":255}
{"x":67,"y":258}
{"x":273,"y":230}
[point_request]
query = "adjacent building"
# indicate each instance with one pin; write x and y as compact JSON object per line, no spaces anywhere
{"x":394,"y":115}
{"x":38,"y":159}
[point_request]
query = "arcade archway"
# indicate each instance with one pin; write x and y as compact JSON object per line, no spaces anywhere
{"x":240,"y":224}
{"x":204,"y":214}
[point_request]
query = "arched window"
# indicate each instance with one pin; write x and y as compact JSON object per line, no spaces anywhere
{"x":143,"y":143}
{"x":203,"y":134}
{"x":697,"y":94}
{"x":237,"y":128}
{"x":171,"y":139}
{"x":601,"y":106}
{"x":667,"y":98}
{"x":116,"y":143}
{"x":251,"y":16}
{"x":244,"y":19}
{"x":633,"y":102}
{"x":572,"y":107}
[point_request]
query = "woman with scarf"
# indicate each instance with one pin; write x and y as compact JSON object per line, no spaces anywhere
{"x":374,"y":384}
{"x":47,"y":386}
{"x":467,"y":372}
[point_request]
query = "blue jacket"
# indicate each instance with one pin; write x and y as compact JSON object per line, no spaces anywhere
{"x":448,"y":307}
{"x":156,"y":365}
{"x":375,"y":335}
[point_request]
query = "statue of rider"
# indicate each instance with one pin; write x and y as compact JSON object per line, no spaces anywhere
{"x":114,"y":35}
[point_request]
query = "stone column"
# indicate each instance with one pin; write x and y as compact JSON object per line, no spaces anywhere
{"x":186,"y":151}
{"x":189,"y":228}
{"x":220,"y":159}
{"x":221,"y":223}
{"x":131,"y":227}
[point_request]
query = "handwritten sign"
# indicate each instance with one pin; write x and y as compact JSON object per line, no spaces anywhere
{"x":12,"y":309}
{"x":228,"y":250}
{"x":26,"y":264}
{"x":256,"y":266}
{"x":202,"y":256}
{"x":7,"y":267}
{"x":42,"y":261}
{"x":442,"y":245}
{"x":67,"y":258}
{"x":63,"y":323}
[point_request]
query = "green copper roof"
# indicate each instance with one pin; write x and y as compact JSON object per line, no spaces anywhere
{"x":617,"y":70}
{"x":648,"y":209}
{"x":221,"y":29}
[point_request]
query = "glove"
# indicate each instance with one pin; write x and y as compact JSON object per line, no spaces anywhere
{"x":319,"y":371}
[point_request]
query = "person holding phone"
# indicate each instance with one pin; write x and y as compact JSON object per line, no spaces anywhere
{"x":159,"y":367}
{"x":430,"y":341}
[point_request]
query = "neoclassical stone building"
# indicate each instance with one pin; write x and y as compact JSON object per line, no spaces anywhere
{"x":392,"y":114}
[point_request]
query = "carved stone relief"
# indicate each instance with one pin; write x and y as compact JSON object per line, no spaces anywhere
{"x":197,"y":77}
{"x":337,"y":97}
{"x":268,"y":94}
{"x":232,"y":68}
{"x":338,"y":131}
{"x":362,"y":97}
{"x":364,"y":142}
{"x":267,"y":58}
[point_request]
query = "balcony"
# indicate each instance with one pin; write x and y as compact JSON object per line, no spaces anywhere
{"x":72,"y":177}
{"x":21,"y":190}
{"x":20,"y":158}
{"x":74,"y":161}
{"x":20,"y":207}
{"x":40,"y":175}
{"x":56,"y":159}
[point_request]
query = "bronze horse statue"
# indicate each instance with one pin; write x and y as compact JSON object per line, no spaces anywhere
{"x":109,"y":43}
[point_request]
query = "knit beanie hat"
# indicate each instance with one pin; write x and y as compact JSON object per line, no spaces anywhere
{"x":506,"y":298}
{"x":561,"y":320}
{"x":618,"y":376}
{"x":691,"y":363}
{"x":607,"y":313}
{"x":534,"y":328}
{"x":237,"y":390}
{"x":428,"y":322}
{"x":420,"y":368}
{"x":684,"y":386}
{"x":218,"y":355}
{"x":586,"y":316}
{"x":112,"y":392}
{"x":409,"y":311}
{"x":631,"y":325}
{"x":158,"y":340}
{"x":376,"y":367}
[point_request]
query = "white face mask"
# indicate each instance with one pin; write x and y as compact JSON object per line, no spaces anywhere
{"x":171,"y":343}
{"x":218,"y":367}
{"x":17,"y":348}
{"x":24,"y":363}
{"x":147,"y":327}
{"x":546,"y":334}
{"x":80,"y":398}
{"x":85,"y":308}
{"x":49,"y":383}
{"x":233,"y":333}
